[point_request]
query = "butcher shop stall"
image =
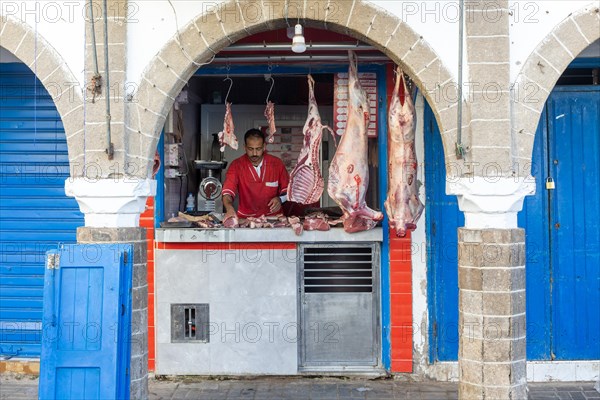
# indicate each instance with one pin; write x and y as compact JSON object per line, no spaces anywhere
{"x":305,"y":290}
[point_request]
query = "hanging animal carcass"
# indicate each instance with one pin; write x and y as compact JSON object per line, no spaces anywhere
{"x":227,"y":135}
{"x":403,"y":205}
{"x":306,"y":182}
{"x":349,"y":172}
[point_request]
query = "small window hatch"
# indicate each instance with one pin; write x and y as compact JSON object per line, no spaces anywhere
{"x":189,"y":323}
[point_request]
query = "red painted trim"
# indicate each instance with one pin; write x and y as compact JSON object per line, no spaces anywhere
{"x":225,"y":246}
{"x":401,"y":302}
{"x":147,"y":221}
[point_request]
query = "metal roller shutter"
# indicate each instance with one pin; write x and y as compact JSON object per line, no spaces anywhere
{"x":35,"y":214}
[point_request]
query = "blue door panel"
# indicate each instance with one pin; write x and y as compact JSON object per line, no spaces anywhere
{"x":574,"y":150}
{"x":79,"y":383}
{"x":35,"y":214}
{"x":87,"y":303}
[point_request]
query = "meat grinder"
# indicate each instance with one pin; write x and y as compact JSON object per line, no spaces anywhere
{"x":209,"y":190}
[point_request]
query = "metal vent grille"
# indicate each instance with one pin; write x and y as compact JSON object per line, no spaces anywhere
{"x":189,"y":323}
{"x":339,"y":269}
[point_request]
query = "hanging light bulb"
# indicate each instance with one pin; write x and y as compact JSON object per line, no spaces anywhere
{"x":298,"y":43}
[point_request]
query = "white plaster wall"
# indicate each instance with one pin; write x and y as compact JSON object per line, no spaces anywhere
{"x":61,"y":23}
{"x":253,"y":311}
{"x":532,"y":21}
{"x":152,"y":23}
{"x":436,"y":21}
{"x":419,"y":252}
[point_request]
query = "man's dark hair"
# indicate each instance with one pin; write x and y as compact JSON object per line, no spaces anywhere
{"x":257,"y":133}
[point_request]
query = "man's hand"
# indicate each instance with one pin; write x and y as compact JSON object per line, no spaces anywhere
{"x":230,"y":214}
{"x":274,"y":204}
{"x":229,"y":210}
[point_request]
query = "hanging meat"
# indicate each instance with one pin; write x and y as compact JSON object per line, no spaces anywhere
{"x":270,"y":114}
{"x":403,"y":205}
{"x":349,"y":171}
{"x":306,"y":182}
{"x":227,"y":136}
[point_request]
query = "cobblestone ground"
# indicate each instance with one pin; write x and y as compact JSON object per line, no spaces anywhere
{"x":307,"y":388}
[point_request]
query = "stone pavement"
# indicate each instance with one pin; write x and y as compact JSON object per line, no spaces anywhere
{"x":298,"y":388}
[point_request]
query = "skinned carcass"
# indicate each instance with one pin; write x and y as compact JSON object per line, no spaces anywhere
{"x":227,"y":135}
{"x":306,"y":182}
{"x":403,"y":205}
{"x":270,"y":115}
{"x":349,"y":171}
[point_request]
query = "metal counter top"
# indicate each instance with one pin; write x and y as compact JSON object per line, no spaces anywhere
{"x":259,"y":235}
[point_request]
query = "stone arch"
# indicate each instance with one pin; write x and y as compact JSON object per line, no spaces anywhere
{"x":50,"y":68}
{"x":208,"y":33}
{"x":542,"y":69}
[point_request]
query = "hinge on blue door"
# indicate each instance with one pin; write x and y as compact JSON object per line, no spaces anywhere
{"x":52,"y":261}
{"x":126,"y":257}
{"x":435,"y":329}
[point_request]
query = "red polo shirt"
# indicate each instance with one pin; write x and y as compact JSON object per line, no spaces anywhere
{"x":255,"y":191}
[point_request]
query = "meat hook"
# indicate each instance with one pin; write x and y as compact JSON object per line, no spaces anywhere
{"x":271,"y":89}
{"x":230,"y":86}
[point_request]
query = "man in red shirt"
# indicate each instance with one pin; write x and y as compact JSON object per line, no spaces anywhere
{"x":259,"y":179}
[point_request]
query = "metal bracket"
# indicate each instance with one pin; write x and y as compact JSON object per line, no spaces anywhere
{"x":53,"y":261}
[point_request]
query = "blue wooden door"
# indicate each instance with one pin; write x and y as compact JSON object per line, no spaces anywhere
{"x":574,"y":146}
{"x":85,"y":340}
{"x":443,"y":218}
{"x":562,"y":235}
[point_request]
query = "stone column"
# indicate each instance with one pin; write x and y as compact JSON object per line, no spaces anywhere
{"x":491,"y":282}
{"x":112,"y":209}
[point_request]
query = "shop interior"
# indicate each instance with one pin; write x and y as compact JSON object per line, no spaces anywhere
{"x":248,"y":74}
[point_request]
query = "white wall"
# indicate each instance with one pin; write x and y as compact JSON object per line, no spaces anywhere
{"x":532,"y":21}
{"x":61,"y":23}
{"x":152,"y":23}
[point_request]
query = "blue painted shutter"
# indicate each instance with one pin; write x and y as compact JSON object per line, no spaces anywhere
{"x":87,"y":304}
{"x":35,"y":214}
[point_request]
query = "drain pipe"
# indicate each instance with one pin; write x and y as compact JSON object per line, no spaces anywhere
{"x":110,"y":150}
{"x":96,"y":79}
{"x":460,"y":151}
{"x":96,"y":73}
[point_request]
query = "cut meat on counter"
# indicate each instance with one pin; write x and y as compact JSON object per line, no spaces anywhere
{"x":316,"y":222}
{"x":306,"y":182}
{"x":403,"y":205}
{"x":349,"y":172}
{"x":227,"y":135}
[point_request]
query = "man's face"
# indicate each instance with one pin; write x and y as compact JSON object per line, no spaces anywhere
{"x":255,"y":148}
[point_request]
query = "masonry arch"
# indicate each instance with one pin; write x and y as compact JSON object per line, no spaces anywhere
{"x":542,"y":69}
{"x":49,"y":67}
{"x":208,"y":33}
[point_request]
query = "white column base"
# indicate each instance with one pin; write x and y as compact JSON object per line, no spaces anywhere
{"x":491,"y":203}
{"x":111,"y":203}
